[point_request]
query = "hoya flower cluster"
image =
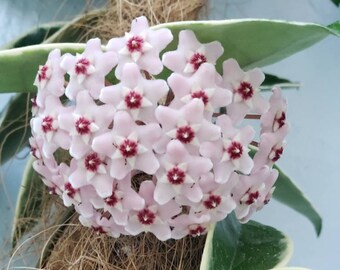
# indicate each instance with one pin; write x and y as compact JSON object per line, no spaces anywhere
{"x":142,"y":154}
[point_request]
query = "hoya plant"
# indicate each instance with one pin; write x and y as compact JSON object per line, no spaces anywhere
{"x":145,"y":135}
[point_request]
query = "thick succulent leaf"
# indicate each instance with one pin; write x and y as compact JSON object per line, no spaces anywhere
{"x":273,"y":80}
{"x":36,"y":36}
{"x":29,"y":203}
{"x":288,"y":193}
{"x":14,"y":126}
{"x":18,"y":67}
{"x":254,"y":42}
{"x":234,"y":246}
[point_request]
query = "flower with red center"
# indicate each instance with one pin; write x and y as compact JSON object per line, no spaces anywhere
{"x":176,"y":176}
{"x":245,"y":90}
{"x":196,"y":230}
{"x":133,"y":100}
{"x":191,"y":54}
{"x":201,"y":85}
{"x":141,"y":46}
{"x":245,"y":86}
{"x":99,"y":230}
{"x":128,"y":148}
{"x":135,"y":94}
{"x":189,"y":224}
{"x":251,"y":191}
{"x":230,"y":152}
{"x":146,"y":217}
{"x":197,"y":59}
{"x":70,"y":191}
{"x":201,"y":94}
{"x":179,"y":174}
{"x":276,"y":153}
{"x":111,"y":200}
{"x":235,"y":150}
{"x":153,"y":217}
{"x":185,"y":134}
{"x":83,"y":67}
{"x":82,"y":125}
{"x":92,"y":162}
{"x":212,"y":202}
{"x":47,"y":124}
{"x":275,"y":118}
{"x":44,"y":73}
{"x":88,"y":70}
{"x":135,"y":43}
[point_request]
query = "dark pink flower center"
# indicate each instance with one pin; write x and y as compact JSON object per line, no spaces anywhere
{"x":212,"y":202}
{"x":112,"y":200}
{"x":99,"y":229}
{"x":146,"y":217}
{"x":201,"y":95}
{"x":70,"y":191}
{"x":280,"y":119}
{"x":135,"y":44}
{"x":133,"y":100}
{"x":197,"y":60}
{"x":34,"y":102}
{"x":252,"y":197}
{"x":128,"y":148}
{"x":235,"y":150}
{"x":82,"y":66}
{"x":185,"y":134}
{"x":277,"y":153}
{"x":176,"y":176}
{"x":92,"y":162}
{"x":52,"y":190}
{"x":35,"y":152}
{"x":245,"y":90}
{"x":199,"y":230}
{"x":47,"y":124}
{"x":42,"y":73}
{"x":83,"y":126}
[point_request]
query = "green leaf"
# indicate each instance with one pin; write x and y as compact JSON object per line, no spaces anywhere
{"x":273,"y":80}
{"x":14,"y":126}
{"x":36,"y":36}
{"x":289,"y":194}
{"x":254,"y":42}
{"x":18,"y":67}
{"x":234,"y":246}
{"x":29,"y":203}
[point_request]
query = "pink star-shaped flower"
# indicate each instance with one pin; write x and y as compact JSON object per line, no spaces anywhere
{"x":135,"y":94}
{"x":87,"y":120}
{"x":129,"y":146}
{"x":88,"y":70}
{"x":245,"y":86}
{"x":121,"y":200}
{"x":179,"y":173}
{"x":141,"y":46}
{"x":153,"y":217}
{"x":191,"y":54}
{"x":217,"y":201}
{"x":202,"y":85}
{"x":231,"y":151}
{"x":191,"y":224}
{"x":275,"y":117}
{"x":253,"y":191}
{"x":50,"y":78}
{"x":186,"y":125}
{"x":46,"y":126}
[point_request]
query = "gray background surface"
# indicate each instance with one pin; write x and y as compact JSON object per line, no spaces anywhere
{"x":312,"y":157}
